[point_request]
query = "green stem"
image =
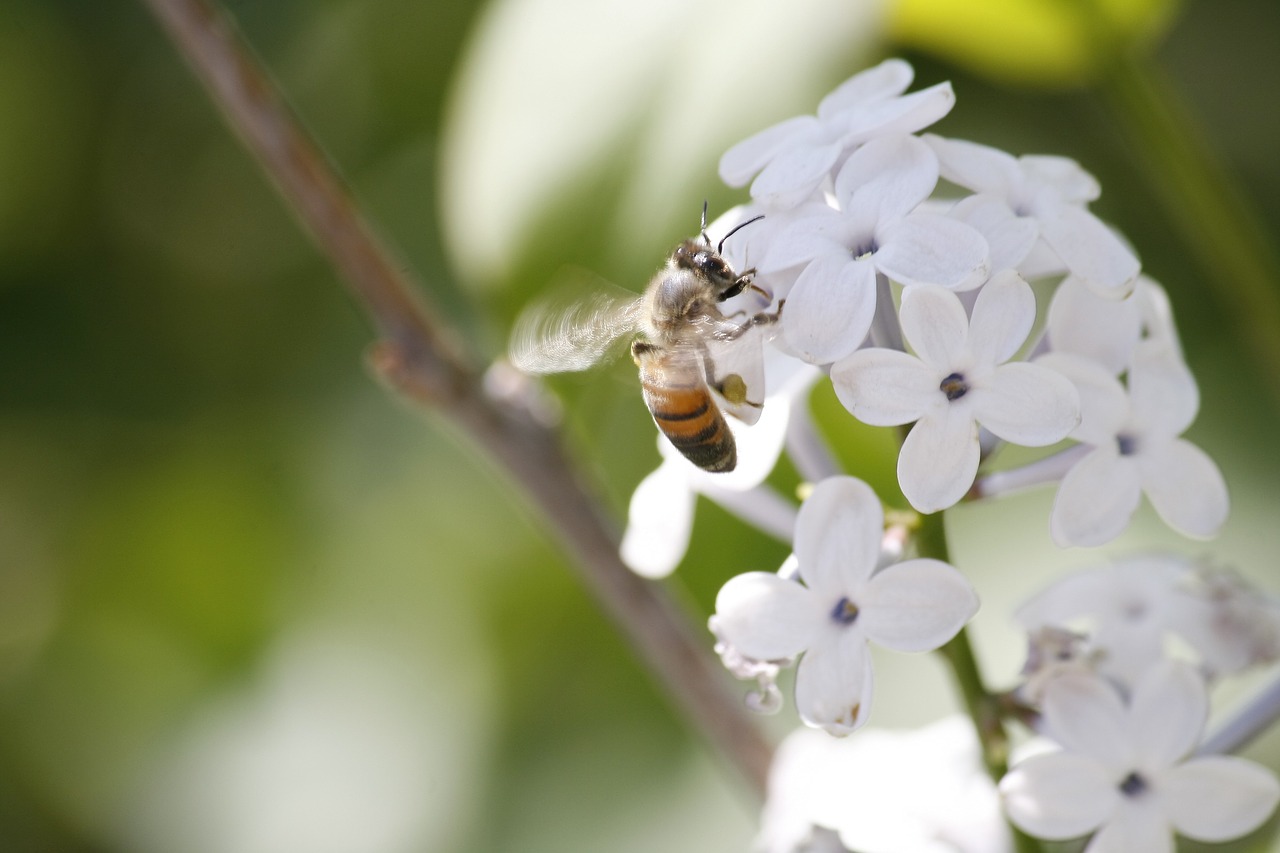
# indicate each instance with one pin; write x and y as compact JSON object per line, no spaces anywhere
{"x":981,"y":706}
{"x":931,"y":541}
{"x":1215,"y":218}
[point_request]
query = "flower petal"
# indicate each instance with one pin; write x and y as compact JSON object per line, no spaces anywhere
{"x":905,"y":114}
{"x":885,"y":387}
{"x":659,"y":522}
{"x":1167,"y":713}
{"x":1086,"y":715}
{"x":980,"y":168}
{"x":1059,"y":795}
{"x":916,"y":606}
{"x":927,"y":248}
{"x":793,"y":175}
{"x":1186,"y":488}
{"x":1136,"y":825}
{"x":834,"y":682}
{"x":936,"y":326}
{"x":1066,"y":599}
{"x":1162,"y":391}
{"x":889,"y":174}
{"x":741,"y":162}
{"x":766,"y":617}
{"x":1096,"y":499}
{"x":817,"y":231}
{"x":1070,"y":182}
{"x":939,"y":459}
{"x":1002,"y":319}
{"x":880,"y":82}
{"x":742,"y":357}
{"x":1090,"y":250}
{"x":1010,"y":238}
{"x":829,"y":309}
{"x":1157,"y":312}
{"x":1027,"y":404}
{"x":1084,"y":323}
{"x":838,"y":534}
{"x":1104,"y":406}
{"x":1218,"y":797}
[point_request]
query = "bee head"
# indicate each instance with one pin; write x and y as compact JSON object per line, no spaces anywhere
{"x":706,"y":262}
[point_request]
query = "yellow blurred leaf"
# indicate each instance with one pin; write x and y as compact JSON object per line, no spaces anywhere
{"x":1029,"y":42}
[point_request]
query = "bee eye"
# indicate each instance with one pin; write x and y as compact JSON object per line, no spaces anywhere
{"x":710,"y":263}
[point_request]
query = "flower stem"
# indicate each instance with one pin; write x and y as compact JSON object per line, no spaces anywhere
{"x":1245,"y":723}
{"x":982,"y":706}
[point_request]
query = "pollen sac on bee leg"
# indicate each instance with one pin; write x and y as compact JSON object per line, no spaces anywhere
{"x":733,"y":388}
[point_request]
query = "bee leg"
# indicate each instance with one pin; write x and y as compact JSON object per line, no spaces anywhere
{"x":764,"y":318}
{"x":639,"y":349}
{"x":741,"y":283}
{"x":732,"y":387}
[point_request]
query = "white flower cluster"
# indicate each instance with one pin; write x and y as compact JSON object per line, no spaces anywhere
{"x":1121,"y":719}
{"x":901,"y":266}
{"x":1103,"y":682}
{"x":914,"y":298}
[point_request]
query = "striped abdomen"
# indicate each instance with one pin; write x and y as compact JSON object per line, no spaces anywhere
{"x":684,"y":410}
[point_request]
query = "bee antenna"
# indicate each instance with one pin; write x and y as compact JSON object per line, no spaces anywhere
{"x":704,"y":222}
{"x":732,"y":231}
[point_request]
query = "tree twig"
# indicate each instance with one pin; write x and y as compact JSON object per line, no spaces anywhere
{"x":419,"y":357}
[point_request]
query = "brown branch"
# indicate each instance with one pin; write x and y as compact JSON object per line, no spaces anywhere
{"x":418,"y":356}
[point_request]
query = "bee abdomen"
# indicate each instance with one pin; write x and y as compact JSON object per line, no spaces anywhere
{"x":691,"y":421}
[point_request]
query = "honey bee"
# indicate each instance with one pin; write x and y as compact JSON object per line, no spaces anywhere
{"x":680,"y":322}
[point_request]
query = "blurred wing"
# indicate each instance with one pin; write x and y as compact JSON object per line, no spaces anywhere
{"x":551,"y":337}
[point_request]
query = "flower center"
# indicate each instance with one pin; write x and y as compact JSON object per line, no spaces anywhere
{"x":865,"y":249}
{"x":845,"y":612}
{"x":1127,"y":444}
{"x":1133,"y":785}
{"x":954,"y":386}
{"x":1134,"y":611}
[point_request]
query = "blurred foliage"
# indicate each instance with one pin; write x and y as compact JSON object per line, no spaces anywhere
{"x":199,"y":478}
{"x":1054,"y":43}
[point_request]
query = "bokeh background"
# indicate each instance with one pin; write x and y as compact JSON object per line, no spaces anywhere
{"x":250,"y":603}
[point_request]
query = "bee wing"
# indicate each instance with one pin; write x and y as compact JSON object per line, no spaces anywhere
{"x":735,"y":371}
{"x":551,"y":336}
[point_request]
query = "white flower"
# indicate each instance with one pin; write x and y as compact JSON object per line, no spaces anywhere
{"x":1136,"y":450}
{"x":794,"y":157}
{"x":830,"y":306}
{"x":1106,"y":330}
{"x":958,"y":379}
{"x":1053,"y":192}
{"x":913,"y":606}
{"x":1129,"y":609}
{"x":1124,"y":773}
{"x":883,"y":791}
